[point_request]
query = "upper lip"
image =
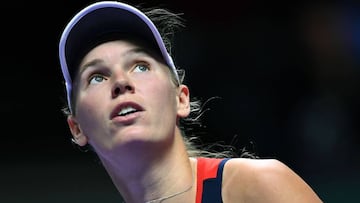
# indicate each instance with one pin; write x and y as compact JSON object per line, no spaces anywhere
{"x":122,"y":105}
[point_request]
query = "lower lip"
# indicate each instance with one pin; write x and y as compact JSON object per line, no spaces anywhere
{"x":127,"y":119}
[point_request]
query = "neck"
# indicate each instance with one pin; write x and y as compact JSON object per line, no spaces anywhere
{"x":170,"y":175}
{"x":164,"y":198}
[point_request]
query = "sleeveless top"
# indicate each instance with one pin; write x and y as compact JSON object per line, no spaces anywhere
{"x":209,"y":179}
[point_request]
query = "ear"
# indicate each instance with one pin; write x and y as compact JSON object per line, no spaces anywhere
{"x":78,"y":137}
{"x":183,"y":108}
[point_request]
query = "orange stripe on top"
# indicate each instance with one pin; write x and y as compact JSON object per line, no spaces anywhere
{"x":206,"y":168}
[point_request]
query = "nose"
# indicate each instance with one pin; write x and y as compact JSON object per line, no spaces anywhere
{"x":121,"y":87}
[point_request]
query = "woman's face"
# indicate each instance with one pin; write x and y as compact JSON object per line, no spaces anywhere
{"x":124,"y":96}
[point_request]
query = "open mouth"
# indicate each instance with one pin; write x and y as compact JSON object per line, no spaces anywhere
{"x":127,"y":110}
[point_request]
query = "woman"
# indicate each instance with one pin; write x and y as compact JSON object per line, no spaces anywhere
{"x":126,"y":100}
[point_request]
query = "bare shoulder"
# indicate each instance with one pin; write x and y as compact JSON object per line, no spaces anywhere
{"x":264,"y":180}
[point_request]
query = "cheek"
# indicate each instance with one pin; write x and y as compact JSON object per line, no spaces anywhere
{"x":91,"y":97}
{"x":88,"y":107}
{"x":162,"y":90}
{"x":90,"y":119}
{"x":163,"y":98}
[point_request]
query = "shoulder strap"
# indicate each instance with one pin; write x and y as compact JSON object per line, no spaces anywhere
{"x":209,"y":180}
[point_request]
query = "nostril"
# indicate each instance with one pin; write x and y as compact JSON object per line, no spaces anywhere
{"x":117,"y":91}
{"x":128,"y":87}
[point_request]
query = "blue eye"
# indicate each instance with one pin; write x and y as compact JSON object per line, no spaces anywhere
{"x":141,"y":68}
{"x":96,"y":79}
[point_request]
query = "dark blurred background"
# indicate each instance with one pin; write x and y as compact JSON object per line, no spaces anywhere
{"x":287,"y":75}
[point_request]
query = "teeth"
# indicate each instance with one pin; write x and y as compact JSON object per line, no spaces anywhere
{"x":126,"y":110}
